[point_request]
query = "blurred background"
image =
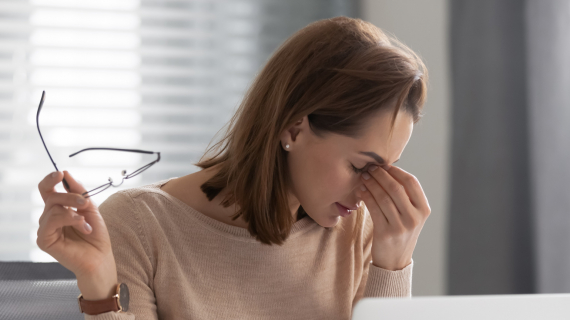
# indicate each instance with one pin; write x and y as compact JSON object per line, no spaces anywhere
{"x":491,"y":152}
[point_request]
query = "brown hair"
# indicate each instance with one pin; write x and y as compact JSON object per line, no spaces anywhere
{"x":339,"y":72}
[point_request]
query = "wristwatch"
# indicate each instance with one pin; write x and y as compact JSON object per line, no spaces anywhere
{"x":118,"y":302}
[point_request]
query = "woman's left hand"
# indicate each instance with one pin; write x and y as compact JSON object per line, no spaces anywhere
{"x":398,"y":208}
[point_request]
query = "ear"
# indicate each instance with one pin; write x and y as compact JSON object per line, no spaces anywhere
{"x":295,"y":133}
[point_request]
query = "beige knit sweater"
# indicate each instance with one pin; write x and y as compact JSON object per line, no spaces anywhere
{"x":182,"y":264}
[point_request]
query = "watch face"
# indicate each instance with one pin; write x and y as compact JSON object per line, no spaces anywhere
{"x":124,"y":297}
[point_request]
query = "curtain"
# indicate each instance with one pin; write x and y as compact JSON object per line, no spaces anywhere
{"x":510,"y":209}
{"x":548,"y":27}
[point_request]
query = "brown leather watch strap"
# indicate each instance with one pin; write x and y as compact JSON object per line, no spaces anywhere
{"x":93,"y":307}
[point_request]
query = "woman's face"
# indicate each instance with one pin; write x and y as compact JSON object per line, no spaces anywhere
{"x":322,"y":172}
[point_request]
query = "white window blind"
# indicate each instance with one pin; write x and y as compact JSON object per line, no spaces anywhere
{"x":153,"y":75}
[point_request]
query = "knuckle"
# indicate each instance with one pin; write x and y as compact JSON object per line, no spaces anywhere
{"x":55,"y":214}
{"x":414,"y":223}
{"x":428,"y":208}
{"x":40,"y":243}
{"x":395,"y":187}
{"x":412,"y":180}
{"x":61,"y":199}
{"x":385,"y":199}
{"x":50,"y":200}
{"x":51,"y":217}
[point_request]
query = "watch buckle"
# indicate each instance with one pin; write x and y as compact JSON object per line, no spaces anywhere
{"x":79,"y":302}
{"x":116,"y":296}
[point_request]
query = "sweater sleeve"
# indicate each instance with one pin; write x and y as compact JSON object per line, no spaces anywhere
{"x":133,"y":257}
{"x":379,"y":282}
{"x":387,"y":283}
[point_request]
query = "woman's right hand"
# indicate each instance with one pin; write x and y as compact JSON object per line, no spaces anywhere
{"x":79,"y":240}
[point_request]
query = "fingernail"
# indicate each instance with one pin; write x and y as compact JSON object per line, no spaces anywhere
{"x":372,"y":168}
{"x":54,"y":175}
{"x":88,"y":227}
{"x":80,"y":201}
{"x":366,"y":176}
{"x":77,"y":217}
{"x":362,"y":187}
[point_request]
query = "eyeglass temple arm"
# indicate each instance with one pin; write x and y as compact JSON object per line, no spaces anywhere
{"x":65,"y":184}
{"x":115,"y":149}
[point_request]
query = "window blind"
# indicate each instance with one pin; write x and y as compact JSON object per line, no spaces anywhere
{"x":153,"y":75}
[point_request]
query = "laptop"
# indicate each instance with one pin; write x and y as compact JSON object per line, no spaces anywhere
{"x":478,"y":307}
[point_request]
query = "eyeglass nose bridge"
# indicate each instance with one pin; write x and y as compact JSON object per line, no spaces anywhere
{"x":122,"y":180}
{"x":104,"y":187}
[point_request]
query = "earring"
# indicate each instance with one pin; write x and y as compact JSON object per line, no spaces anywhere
{"x":286,"y":146}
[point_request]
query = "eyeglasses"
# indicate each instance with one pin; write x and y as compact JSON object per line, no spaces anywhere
{"x":110,"y":183}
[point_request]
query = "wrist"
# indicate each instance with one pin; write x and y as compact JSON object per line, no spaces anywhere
{"x":119,"y":302}
{"x":97,"y":287}
{"x":389,"y":266}
{"x":97,"y":290}
{"x":385,"y":266}
{"x":388,"y":263}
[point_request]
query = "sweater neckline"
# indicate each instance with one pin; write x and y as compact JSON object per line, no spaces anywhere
{"x":304,"y":224}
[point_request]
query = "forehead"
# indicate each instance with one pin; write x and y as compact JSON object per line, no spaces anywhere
{"x":376,"y":136}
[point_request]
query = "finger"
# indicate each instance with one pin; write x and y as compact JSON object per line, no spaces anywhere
{"x":392,"y":187}
{"x":75,"y":187}
{"x":49,"y":231}
{"x":382,"y":200}
{"x":411,"y":184}
{"x":47,"y":185}
{"x":375,"y":211}
{"x":66,"y":199}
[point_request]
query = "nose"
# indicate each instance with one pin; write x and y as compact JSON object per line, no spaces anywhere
{"x":353,"y":200}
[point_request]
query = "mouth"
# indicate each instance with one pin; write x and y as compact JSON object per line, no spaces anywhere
{"x":343,"y":211}
{"x":348,"y":208}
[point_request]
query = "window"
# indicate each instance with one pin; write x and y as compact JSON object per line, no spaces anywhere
{"x":154,"y":75}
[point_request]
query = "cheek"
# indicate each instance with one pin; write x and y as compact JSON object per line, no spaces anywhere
{"x":328,"y":179}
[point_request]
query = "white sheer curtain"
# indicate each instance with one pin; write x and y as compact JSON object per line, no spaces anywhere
{"x":154,"y":75}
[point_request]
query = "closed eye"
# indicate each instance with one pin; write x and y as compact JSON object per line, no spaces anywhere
{"x":357,"y":170}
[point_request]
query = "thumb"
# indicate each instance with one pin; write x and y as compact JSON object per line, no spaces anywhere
{"x":72,"y":186}
{"x":76,"y":187}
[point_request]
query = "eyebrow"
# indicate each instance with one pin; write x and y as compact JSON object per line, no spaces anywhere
{"x":376,"y":157}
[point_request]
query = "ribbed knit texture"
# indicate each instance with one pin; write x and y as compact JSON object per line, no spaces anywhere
{"x":182,"y":264}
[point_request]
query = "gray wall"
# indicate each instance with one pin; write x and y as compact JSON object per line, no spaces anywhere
{"x":423,"y":26}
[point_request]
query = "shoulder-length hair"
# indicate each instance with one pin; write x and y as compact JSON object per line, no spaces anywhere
{"x":339,"y":72}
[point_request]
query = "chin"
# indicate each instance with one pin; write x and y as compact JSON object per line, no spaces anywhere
{"x":328,"y":220}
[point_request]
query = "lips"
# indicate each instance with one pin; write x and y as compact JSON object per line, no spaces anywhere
{"x":348,"y":208}
{"x":342,"y":210}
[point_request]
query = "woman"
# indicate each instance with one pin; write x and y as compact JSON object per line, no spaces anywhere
{"x":273,"y":226}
